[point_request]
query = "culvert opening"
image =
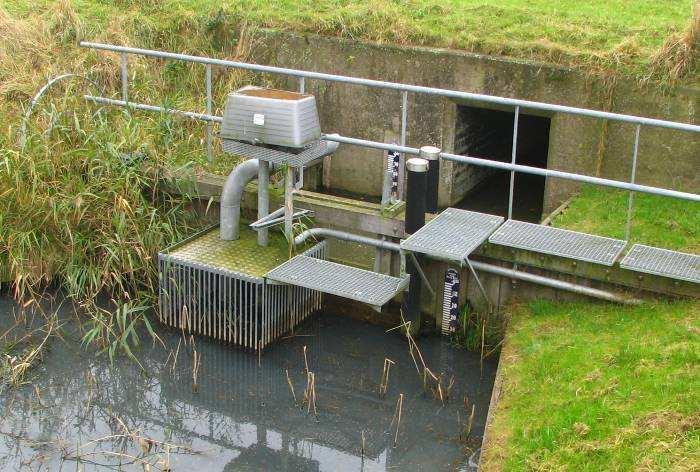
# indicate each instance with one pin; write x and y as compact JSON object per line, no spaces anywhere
{"x":487,"y":133}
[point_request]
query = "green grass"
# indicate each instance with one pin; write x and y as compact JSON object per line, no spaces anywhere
{"x":657,"y":221}
{"x":599,"y":387}
{"x":619,"y":35}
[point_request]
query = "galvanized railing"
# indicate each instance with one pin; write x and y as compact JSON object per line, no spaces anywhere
{"x":517,"y":105}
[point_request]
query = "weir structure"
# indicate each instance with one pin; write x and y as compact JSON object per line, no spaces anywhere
{"x":279,"y":130}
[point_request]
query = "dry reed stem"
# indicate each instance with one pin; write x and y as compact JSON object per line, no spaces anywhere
{"x":291,"y":386}
{"x":397,"y":417}
{"x":306,"y":362}
{"x":196,"y":359}
{"x":177,"y":352}
{"x":310,"y":392}
{"x":384,"y":384}
{"x":469,"y":423}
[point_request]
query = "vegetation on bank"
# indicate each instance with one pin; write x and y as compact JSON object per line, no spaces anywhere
{"x":657,"y":221}
{"x":79,"y":202}
{"x":598,"y":387}
{"x":646,"y":39}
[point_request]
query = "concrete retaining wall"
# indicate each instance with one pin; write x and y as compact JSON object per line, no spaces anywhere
{"x":584,"y":145}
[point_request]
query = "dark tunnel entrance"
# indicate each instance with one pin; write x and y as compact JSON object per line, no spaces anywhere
{"x":486,"y":133}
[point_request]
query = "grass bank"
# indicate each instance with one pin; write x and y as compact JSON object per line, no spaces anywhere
{"x":646,"y":39}
{"x":599,"y":387}
{"x":657,"y":221}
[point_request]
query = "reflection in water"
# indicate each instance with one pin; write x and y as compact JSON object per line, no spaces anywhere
{"x":242,"y":416}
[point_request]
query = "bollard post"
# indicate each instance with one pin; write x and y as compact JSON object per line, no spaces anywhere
{"x":263,"y":200}
{"x":288,"y":203}
{"x":417,"y":170}
{"x":432,"y":155}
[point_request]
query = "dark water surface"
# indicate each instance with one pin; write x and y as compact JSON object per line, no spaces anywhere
{"x":242,"y":416}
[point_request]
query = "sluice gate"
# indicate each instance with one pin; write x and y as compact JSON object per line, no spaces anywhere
{"x":278,"y":131}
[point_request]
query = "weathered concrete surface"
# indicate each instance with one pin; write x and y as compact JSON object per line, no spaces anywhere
{"x":584,"y":145}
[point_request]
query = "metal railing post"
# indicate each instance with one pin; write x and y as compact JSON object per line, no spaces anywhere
{"x":210,"y":146}
{"x":402,"y":159}
{"x":513,"y":155}
{"x":123,"y":66}
{"x":302,"y":85}
{"x":630,"y":197}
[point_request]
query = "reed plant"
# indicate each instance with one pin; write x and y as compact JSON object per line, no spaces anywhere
{"x":80,"y":205}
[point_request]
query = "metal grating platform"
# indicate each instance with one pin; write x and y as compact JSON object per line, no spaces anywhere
{"x":276,"y":156}
{"x":558,"y":242}
{"x":656,"y":261}
{"x":453,"y":234}
{"x":338,"y":279}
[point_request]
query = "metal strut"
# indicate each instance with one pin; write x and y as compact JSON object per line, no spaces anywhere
{"x":481,"y":286}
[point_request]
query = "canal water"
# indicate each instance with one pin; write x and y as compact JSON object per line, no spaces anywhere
{"x":81,"y":412}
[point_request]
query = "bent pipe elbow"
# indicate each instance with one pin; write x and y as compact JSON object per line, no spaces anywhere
{"x":231,"y":198}
{"x":232,"y":192}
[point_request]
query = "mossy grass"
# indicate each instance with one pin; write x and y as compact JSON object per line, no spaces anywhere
{"x":598,"y":387}
{"x":641,"y":38}
{"x":241,"y":255}
{"x":657,"y":221}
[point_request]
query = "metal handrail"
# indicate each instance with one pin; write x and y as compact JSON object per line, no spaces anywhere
{"x":517,"y":104}
{"x":398,"y":86}
{"x":478,"y":161}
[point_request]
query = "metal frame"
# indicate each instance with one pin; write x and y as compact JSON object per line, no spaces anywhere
{"x":231,"y":306}
{"x":517,"y":104}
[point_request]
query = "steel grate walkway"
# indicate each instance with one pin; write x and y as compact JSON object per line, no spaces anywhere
{"x":453,"y":234}
{"x":657,"y":261}
{"x":338,"y":279}
{"x":275,"y":156}
{"x":558,"y":242}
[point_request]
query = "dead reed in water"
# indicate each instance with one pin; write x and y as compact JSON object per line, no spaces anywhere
{"x":310,"y":393}
{"x":150,"y":454}
{"x":291,"y":386}
{"x":196,"y":360}
{"x":431,"y":382}
{"x":397,"y":417}
{"x":384,"y":384}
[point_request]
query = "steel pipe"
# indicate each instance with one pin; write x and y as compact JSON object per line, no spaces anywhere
{"x":263,"y":199}
{"x":571,"y":176}
{"x":512,"y":102}
{"x":554,"y":283}
{"x":39,"y":95}
{"x":231,"y":197}
{"x":345,"y":236}
{"x":157,"y":109}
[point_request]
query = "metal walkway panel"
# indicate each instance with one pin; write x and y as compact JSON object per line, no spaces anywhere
{"x":558,"y":242}
{"x":308,"y":154}
{"x":657,"y":261}
{"x":338,"y":279}
{"x":453,"y":234}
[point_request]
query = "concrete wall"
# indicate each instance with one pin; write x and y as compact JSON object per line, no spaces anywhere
{"x":583,"y":145}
